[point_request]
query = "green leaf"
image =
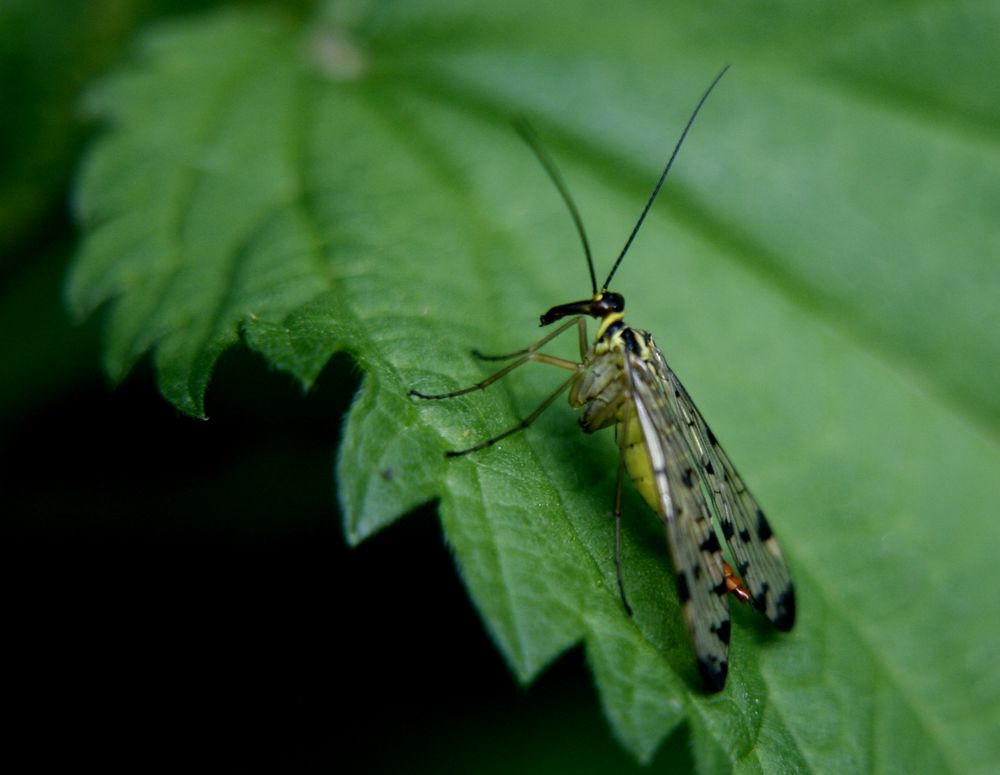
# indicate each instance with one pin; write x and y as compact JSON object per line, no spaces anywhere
{"x":820,"y":270}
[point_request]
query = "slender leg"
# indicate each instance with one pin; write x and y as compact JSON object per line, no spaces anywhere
{"x":522,"y":357}
{"x":582,"y":334}
{"x":484,"y":357}
{"x":580,"y":324}
{"x":622,"y":442}
{"x":521,"y":425}
{"x":478,"y":386}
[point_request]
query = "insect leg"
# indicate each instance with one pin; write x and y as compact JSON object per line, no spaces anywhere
{"x":622,"y":442}
{"x":582,"y":331}
{"x":484,"y":357}
{"x":525,"y":422}
{"x":582,"y":334}
{"x":522,"y":356}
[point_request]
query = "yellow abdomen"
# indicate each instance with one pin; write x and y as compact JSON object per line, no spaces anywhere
{"x":638,"y":466}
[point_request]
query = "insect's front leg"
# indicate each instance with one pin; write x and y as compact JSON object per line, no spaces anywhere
{"x":521,"y":357}
{"x":581,"y":325}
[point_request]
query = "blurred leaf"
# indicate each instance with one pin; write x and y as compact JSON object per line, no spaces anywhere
{"x":821,"y":270}
{"x":48,"y":50}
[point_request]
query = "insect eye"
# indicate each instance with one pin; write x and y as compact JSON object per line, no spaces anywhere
{"x":611,"y":302}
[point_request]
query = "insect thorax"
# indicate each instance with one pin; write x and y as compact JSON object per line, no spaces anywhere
{"x":603,"y":390}
{"x":606,"y":396}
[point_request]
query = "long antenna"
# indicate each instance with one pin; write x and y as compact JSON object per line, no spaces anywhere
{"x":528,"y":135}
{"x":663,"y":175}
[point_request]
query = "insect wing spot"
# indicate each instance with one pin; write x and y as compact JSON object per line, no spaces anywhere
{"x":713,"y":673}
{"x":723,"y":631}
{"x":763,"y":528}
{"x":710,"y":544}
{"x":759,"y":601}
{"x":683,"y":591}
{"x":784,"y":619}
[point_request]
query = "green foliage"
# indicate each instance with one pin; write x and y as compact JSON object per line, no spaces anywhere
{"x":820,"y":270}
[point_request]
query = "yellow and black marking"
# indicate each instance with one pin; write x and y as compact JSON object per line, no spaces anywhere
{"x":668,"y":450}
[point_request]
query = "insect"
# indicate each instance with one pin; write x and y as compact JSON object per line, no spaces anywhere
{"x":667,"y":448}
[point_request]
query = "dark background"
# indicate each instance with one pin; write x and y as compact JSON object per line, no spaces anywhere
{"x":181,"y":587}
{"x":179,"y":590}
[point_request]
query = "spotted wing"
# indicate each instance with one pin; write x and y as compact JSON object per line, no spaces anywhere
{"x":694,"y":547}
{"x":745,"y":528}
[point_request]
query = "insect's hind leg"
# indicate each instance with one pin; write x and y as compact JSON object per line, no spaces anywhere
{"x":622,"y":442}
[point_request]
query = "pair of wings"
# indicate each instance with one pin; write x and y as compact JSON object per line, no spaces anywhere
{"x":689,"y":468}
